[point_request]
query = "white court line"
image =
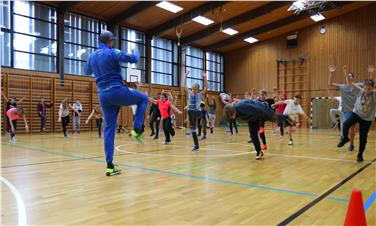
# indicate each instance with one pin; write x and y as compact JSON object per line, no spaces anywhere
{"x":19,"y":200}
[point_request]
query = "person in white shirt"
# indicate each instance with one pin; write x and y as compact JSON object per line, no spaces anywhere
{"x":77,"y":117}
{"x":291,"y":115}
{"x":335,"y":112}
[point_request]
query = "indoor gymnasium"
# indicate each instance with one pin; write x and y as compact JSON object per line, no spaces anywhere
{"x":188,"y":112}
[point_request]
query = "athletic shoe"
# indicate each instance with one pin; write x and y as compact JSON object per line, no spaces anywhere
{"x":264,"y":147}
{"x":137,"y":136}
{"x":195,"y":148}
{"x":41,"y":133}
{"x":359,"y":158}
{"x":113,"y":171}
{"x":166,"y":142}
{"x":155,"y":138}
{"x":152,"y":134}
{"x":261,"y":130}
{"x":259,"y":155}
{"x":351,"y":147}
{"x":250,"y":142}
{"x":203,"y":138}
{"x":290,"y":142}
{"x":342,"y":142}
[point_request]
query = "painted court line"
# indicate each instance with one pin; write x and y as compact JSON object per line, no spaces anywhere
{"x":19,"y":200}
{"x":195,"y":177}
{"x":369,"y":202}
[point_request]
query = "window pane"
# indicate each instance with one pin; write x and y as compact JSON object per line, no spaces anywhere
{"x":80,"y":37}
{"x":34,"y":27}
{"x":162,"y":53}
{"x":34,"y":62}
{"x":82,"y":22}
{"x":214,"y":65}
{"x":5,"y":14}
{"x":34,"y":45}
{"x":5,"y":50}
{"x":74,"y":67}
{"x":35,"y":10}
{"x":77,"y":52}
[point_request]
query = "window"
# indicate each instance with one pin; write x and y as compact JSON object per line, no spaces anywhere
{"x":81,"y":36}
{"x":214,"y":69}
{"x":132,"y":39}
{"x":31,"y":30}
{"x":164,"y":62}
{"x":194,"y":64}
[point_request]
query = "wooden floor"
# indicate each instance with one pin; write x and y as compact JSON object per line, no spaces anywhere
{"x":63,"y":181}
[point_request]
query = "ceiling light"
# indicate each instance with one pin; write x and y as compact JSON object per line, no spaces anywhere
{"x":250,"y":40}
{"x":317,"y":17}
{"x":230,"y":31}
{"x":203,"y":20}
{"x":169,"y":7}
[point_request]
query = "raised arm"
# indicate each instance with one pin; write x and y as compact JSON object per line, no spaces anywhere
{"x":73,"y":109}
{"x":346,"y":72}
{"x":22,"y":99}
{"x":185,"y":81}
{"x":206,"y":83}
{"x":253,"y":94}
{"x":5,"y":98}
{"x":332,"y":69}
{"x":90,"y":116}
{"x":175,"y":109}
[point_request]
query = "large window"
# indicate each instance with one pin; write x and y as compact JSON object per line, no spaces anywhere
{"x":164,"y":62}
{"x":194,"y":64}
{"x":81,"y":36}
{"x":30,"y":28}
{"x":132,"y":39}
{"x":214,"y":69}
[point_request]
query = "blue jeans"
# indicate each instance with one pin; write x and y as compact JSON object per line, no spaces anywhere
{"x":111,"y":100}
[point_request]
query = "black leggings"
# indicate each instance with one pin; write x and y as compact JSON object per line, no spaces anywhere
{"x":232,"y":122}
{"x":156,"y":121}
{"x":99,"y":122}
{"x":168,"y":129}
{"x":194,"y":115}
{"x":64,"y":124}
{"x":9,"y":128}
{"x":253,"y":130}
{"x":363,"y":130}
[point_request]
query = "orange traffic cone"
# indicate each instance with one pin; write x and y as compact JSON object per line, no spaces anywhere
{"x":355,"y":215}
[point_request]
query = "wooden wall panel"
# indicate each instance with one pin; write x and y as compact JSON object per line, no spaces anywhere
{"x":349,"y":39}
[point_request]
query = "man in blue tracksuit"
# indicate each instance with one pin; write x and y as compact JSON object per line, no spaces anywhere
{"x":253,"y":112}
{"x":104,"y":63}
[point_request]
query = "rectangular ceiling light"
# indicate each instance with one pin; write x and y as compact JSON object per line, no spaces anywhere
{"x":169,"y":7}
{"x":317,"y":17}
{"x":230,"y":31}
{"x":203,"y":20}
{"x":250,"y":40}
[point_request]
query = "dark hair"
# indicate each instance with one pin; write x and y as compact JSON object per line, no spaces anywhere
{"x":202,"y":105}
{"x":369,"y":82}
{"x":164,"y":94}
{"x":352,"y":74}
{"x":298,"y":96}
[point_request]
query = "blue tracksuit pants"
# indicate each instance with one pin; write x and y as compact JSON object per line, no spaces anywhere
{"x":111,"y":101}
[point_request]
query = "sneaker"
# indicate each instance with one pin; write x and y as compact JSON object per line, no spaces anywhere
{"x":155,"y":138}
{"x":351,"y":147}
{"x":166,"y":142}
{"x":152,"y":134}
{"x":113,"y":171}
{"x":41,"y":133}
{"x":137,"y":136}
{"x":259,"y":155}
{"x":342,"y":142}
{"x":264,"y":147}
{"x":290,"y":142}
{"x":359,"y":158}
{"x":261,"y":130}
{"x":203,"y":138}
{"x":195,"y":148}
{"x":250,"y":142}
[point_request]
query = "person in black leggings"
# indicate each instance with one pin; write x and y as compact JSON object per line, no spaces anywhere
{"x":154,"y":119}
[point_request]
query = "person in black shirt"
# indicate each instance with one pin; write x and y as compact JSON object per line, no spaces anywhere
{"x":154,"y":119}
{"x":253,"y":112}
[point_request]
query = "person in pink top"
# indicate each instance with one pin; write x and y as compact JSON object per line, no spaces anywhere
{"x":165,"y":107}
{"x":13,"y":114}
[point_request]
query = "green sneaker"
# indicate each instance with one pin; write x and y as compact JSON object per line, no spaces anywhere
{"x":113,"y":171}
{"x":137,"y":136}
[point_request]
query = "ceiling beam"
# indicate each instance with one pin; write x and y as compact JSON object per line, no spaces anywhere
{"x":267,"y":27}
{"x":132,"y":11}
{"x":211,"y":5}
{"x":242,"y":18}
{"x":68,"y":5}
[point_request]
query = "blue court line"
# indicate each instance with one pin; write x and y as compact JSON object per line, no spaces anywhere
{"x":369,"y":202}
{"x":187,"y":175}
